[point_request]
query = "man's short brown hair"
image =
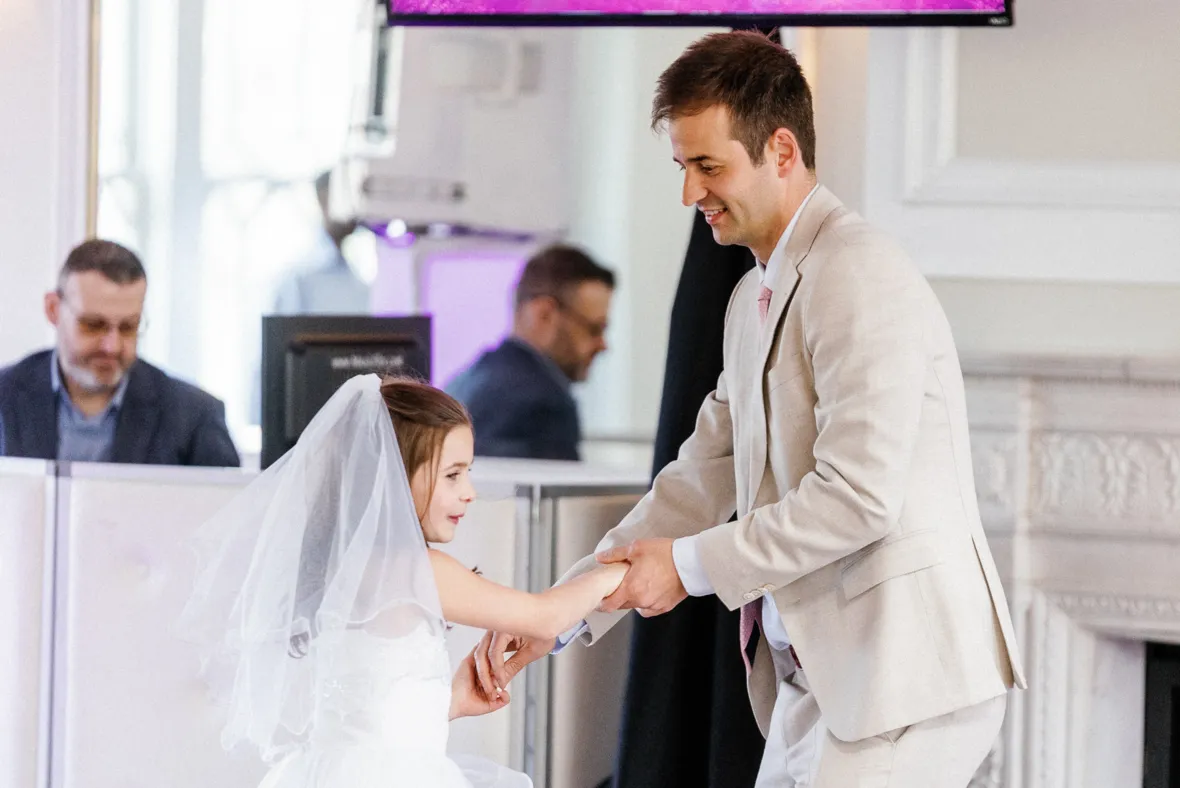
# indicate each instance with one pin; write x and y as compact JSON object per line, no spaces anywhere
{"x":556,"y":271}
{"x":114,"y":261}
{"x":757,"y":80}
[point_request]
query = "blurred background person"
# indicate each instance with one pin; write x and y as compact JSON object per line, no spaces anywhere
{"x":90,"y":398}
{"x":519,"y":393}
{"x":322,"y":281}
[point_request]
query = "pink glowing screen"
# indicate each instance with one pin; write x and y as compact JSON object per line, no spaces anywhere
{"x":770,"y":8}
{"x":469,"y":298}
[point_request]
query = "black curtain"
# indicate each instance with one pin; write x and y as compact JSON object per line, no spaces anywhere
{"x":687,"y":721}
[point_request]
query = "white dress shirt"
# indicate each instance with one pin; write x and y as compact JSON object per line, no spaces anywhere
{"x":686,"y":550}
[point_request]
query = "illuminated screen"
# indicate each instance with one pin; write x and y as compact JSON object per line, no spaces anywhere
{"x":703,"y":12}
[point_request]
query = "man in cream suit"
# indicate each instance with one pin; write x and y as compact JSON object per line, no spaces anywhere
{"x":877,"y":633}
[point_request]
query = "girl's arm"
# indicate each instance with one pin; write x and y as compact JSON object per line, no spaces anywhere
{"x":473,"y":601}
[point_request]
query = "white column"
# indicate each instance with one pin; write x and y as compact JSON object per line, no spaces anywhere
{"x":44,"y":91}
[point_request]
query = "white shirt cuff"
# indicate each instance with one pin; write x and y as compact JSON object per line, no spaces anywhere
{"x":567,"y":637}
{"x":686,"y":554}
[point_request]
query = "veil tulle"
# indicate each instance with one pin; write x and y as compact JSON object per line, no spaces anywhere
{"x":326,"y":539}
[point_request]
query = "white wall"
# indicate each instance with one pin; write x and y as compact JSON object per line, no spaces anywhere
{"x":990,"y":316}
{"x":1090,"y":83}
{"x":42,"y":158}
{"x":628,"y":214}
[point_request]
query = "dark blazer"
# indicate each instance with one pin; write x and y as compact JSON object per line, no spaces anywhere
{"x":162,"y":421}
{"x":520,"y":404}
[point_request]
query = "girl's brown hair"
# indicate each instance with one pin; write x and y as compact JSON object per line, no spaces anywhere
{"x":422,"y":417}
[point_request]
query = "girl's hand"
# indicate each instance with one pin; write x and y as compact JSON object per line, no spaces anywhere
{"x":612,"y":576}
{"x":468,"y":698}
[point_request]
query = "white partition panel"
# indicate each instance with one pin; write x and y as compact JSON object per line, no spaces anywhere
{"x":26,"y":516}
{"x":129,"y":708}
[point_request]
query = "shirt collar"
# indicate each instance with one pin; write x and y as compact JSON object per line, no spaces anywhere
{"x":55,"y":383}
{"x":780,"y":249}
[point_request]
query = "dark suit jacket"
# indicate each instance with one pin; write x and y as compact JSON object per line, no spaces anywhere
{"x":520,"y":405}
{"x":163,"y":421}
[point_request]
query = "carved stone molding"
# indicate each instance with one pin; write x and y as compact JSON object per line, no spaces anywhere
{"x":1070,"y":704}
{"x":993,"y":457}
{"x":1106,"y":478}
{"x":1082,"y":465}
{"x":1086,"y":608}
{"x":1132,"y":372}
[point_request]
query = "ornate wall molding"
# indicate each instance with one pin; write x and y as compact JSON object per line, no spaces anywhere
{"x":1085,"y":477}
{"x":937,"y":174}
{"x":993,"y":216}
{"x":994,"y":460}
{"x":1092,"y":477}
{"x":1129,"y":371}
{"x":1132,"y":610}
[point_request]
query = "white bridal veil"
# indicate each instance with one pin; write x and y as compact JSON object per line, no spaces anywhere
{"x":326,"y":539}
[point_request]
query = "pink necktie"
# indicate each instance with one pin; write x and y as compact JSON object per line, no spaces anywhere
{"x":751,"y":615}
{"x":752,"y":611}
{"x":764,"y":302}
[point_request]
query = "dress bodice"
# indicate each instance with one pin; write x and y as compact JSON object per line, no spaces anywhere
{"x":380,"y":719}
{"x":383,"y":693}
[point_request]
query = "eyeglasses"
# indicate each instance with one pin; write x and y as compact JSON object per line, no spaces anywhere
{"x":95,"y":327}
{"x":595,"y":329}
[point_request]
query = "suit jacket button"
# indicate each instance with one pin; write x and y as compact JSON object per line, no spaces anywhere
{"x":749,"y":595}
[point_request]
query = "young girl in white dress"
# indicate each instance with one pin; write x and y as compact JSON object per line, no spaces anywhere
{"x":325,"y":608}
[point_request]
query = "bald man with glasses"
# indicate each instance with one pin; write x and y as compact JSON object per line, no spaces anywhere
{"x":90,"y":399}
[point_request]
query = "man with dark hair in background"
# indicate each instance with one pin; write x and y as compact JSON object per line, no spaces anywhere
{"x":90,"y":398}
{"x":519,"y":393}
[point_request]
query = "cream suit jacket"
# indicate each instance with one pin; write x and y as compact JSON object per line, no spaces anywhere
{"x":838,"y":434}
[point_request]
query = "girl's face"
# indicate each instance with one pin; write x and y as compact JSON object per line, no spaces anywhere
{"x":452,"y":487}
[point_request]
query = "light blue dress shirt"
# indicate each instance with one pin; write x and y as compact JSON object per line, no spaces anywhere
{"x":82,"y":438}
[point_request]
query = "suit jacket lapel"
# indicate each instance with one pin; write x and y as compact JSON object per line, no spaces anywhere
{"x":759,"y":436}
{"x":138,"y":418}
{"x":786,"y":281}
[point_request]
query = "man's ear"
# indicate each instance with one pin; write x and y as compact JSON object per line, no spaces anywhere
{"x":784,"y":146}
{"x":541,"y":311}
{"x":52,"y":307}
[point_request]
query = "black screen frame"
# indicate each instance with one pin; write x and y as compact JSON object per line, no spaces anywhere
{"x":283,"y":335}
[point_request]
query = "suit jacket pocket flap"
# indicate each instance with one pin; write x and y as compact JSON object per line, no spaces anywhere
{"x":784,"y":371}
{"x":902,"y":556}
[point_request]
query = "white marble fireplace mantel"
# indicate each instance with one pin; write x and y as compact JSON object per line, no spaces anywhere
{"x":1077,"y":468}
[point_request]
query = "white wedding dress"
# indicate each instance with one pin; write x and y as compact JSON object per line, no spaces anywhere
{"x":324,"y":554}
{"x":381,"y":720}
